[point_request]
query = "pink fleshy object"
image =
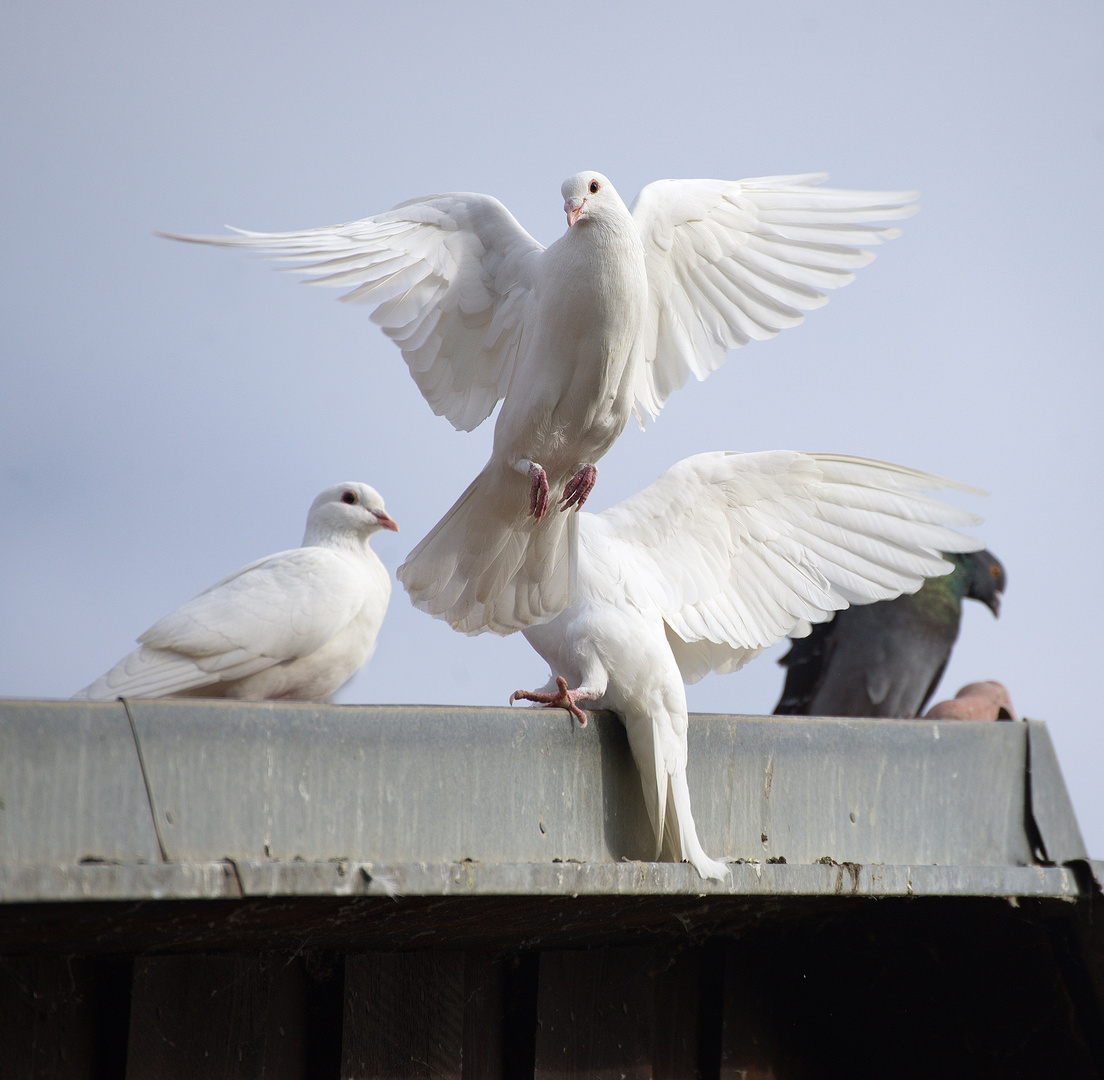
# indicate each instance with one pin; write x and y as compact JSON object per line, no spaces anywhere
{"x":976,"y":701}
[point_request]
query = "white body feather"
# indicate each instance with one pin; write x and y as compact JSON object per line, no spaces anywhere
{"x":721,"y":557}
{"x":608,"y":320}
{"x":296,"y":625}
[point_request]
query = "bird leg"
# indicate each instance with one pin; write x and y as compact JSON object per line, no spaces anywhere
{"x":562,"y":699}
{"x":538,"y":486}
{"x":579,"y":487}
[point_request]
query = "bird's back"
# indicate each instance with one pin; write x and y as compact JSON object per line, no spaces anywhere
{"x":295,"y":625}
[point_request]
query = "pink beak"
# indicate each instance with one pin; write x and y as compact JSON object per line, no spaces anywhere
{"x":573,"y":208}
{"x":385,"y":521}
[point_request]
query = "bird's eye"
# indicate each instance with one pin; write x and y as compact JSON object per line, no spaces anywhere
{"x":349,"y":497}
{"x":994,"y":571}
{"x":593,"y":189}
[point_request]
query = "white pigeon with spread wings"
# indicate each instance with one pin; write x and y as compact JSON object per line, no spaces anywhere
{"x":721,"y":557}
{"x":295,"y":626}
{"x":607,"y":321}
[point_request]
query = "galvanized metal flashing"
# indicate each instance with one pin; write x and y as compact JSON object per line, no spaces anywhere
{"x":71,"y":788}
{"x":227,"y":880}
{"x":1049,"y":802}
{"x":206,"y":799}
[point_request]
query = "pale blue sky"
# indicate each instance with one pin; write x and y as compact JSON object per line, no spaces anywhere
{"x":169,"y":412}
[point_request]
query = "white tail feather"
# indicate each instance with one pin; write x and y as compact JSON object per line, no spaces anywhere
{"x":682,"y":834}
{"x":666,"y":794}
{"x":487,"y":565}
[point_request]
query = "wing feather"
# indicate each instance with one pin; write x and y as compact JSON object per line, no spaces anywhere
{"x":279,"y":608}
{"x":733,"y":261}
{"x":447,"y":277}
{"x":741,"y":550}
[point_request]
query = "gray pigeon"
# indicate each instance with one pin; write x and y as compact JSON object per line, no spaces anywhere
{"x":886,"y":659}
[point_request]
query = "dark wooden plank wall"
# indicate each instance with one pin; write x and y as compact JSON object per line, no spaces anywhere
{"x":220,"y":1016}
{"x":404,"y":1015}
{"x":876,"y":994}
{"x":63,"y":1018}
{"x":612,"y":1013}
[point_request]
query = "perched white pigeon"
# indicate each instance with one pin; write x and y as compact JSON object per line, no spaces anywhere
{"x":607,"y":321}
{"x":296,"y":625}
{"x":722,"y":556}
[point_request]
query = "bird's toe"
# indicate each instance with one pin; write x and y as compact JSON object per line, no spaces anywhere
{"x":538,"y":491}
{"x":579,"y":487}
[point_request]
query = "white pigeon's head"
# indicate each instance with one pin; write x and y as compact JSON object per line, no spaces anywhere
{"x":589,"y":196}
{"x":350,"y":510}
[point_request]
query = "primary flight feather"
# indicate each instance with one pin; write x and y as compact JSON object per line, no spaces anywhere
{"x":721,"y":557}
{"x":606,"y":322}
{"x":296,"y":625}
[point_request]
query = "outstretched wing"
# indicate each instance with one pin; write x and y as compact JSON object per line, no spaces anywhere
{"x":739,"y":551}
{"x":732,"y":261}
{"x":280,"y":608}
{"x":447,"y":276}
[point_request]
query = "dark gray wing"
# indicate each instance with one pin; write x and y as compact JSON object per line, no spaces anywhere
{"x":806,"y":665}
{"x":881,"y":660}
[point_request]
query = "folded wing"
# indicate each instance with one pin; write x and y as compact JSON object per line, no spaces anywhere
{"x":280,"y":608}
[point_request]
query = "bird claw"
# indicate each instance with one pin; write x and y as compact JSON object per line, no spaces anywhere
{"x":538,"y":492}
{"x":579,"y":487}
{"x":562,"y":699}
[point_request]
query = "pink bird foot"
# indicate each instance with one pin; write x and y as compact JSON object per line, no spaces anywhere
{"x":538,"y":492}
{"x":579,"y":487}
{"x":563,"y":699}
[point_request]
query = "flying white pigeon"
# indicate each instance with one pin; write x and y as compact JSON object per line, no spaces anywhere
{"x":607,"y":321}
{"x":721,"y":557}
{"x":294,"y":626}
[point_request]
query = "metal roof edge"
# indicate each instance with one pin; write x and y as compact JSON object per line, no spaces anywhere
{"x":228,"y":879}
